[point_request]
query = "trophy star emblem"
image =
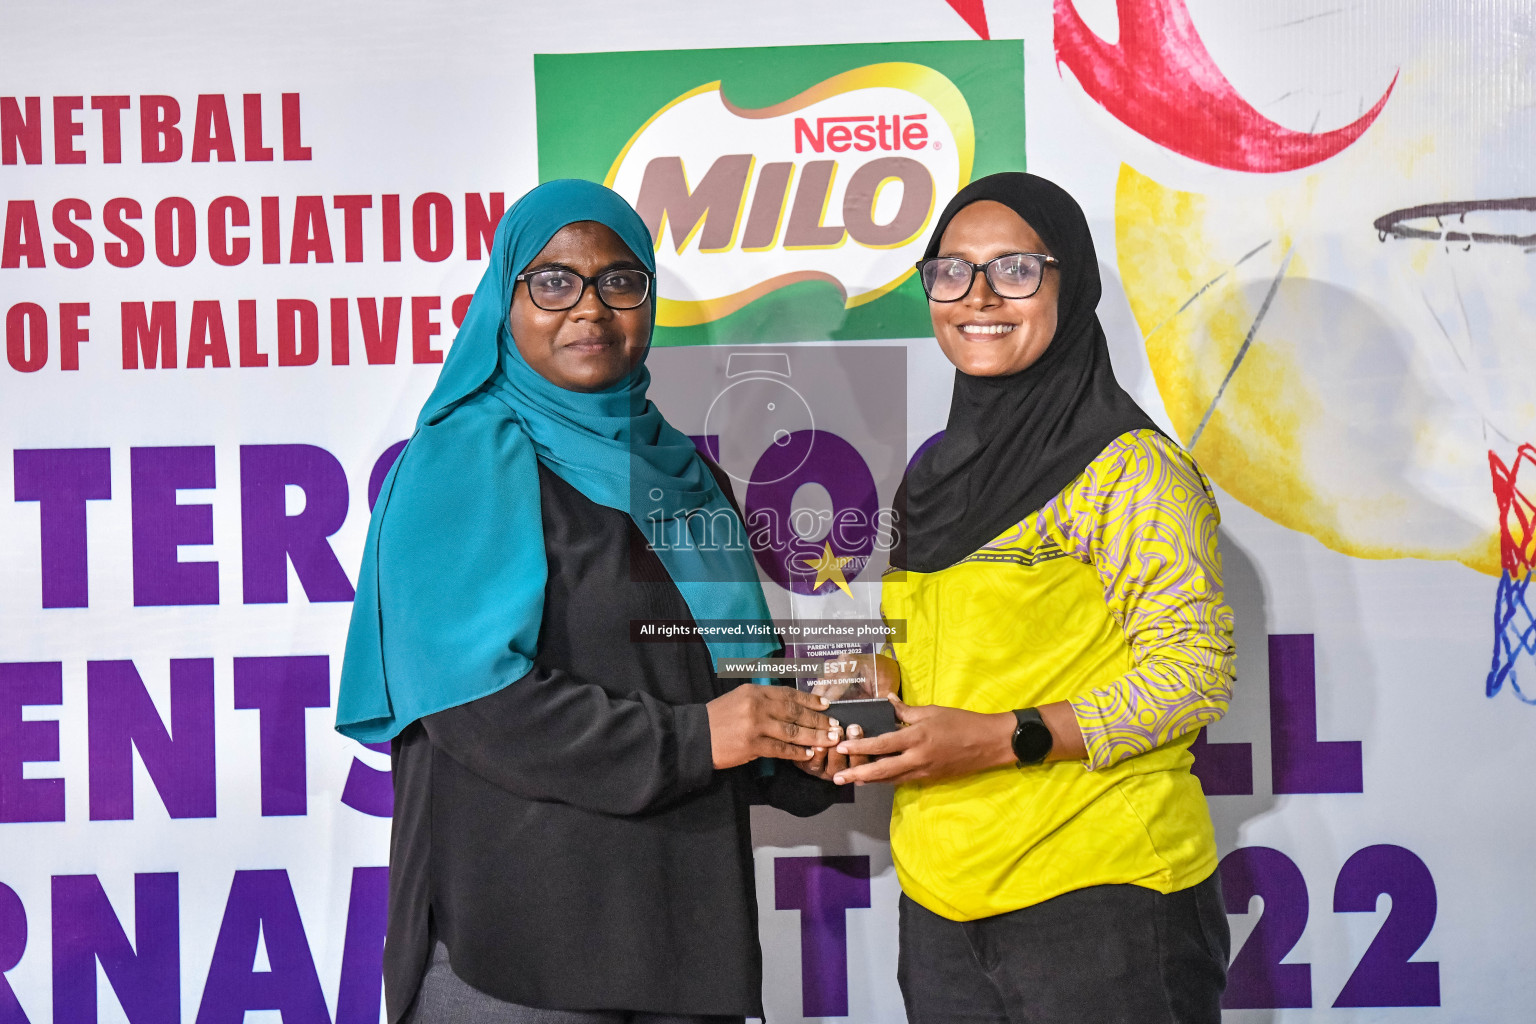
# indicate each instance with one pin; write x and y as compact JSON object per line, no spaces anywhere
{"x":829,"y":567}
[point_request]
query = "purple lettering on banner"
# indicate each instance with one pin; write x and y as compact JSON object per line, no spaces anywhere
{"x":262,"y":908}
{"x":381,"y":470}
{"x":145,"y":974}
{"x":822,"y":889}
{"x":61,"y":481}
{"x":362,"y":952}
{"x":281,"y":689}
{"x":122,"y":717}
{"x":1301,"y":763}
{"x":1257,"y":979}
{"x":1224,"y":769}
{"x":1385,"y":976}
{"x":160,"y":524}
{"x":368,"y":789}
{"x":270,"y":537}
{"x":13,"y":944}
{"x":824,"y":458}
{"x":22,"y":684}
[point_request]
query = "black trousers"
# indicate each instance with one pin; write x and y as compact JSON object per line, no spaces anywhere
{"x":1103,"y":955}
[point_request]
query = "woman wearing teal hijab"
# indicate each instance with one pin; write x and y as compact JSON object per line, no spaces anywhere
{"x":570,"y":838}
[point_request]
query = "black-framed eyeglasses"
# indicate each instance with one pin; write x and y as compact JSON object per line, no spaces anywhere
{"x":1016,"y":275}
{"x":557,"y":289}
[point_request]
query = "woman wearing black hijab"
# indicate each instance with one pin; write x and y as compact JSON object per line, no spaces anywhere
{"x":1066,"y":639}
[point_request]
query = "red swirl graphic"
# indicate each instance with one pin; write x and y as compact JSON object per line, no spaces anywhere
{"x":1160,"y":81}
{"x":975,"y":14}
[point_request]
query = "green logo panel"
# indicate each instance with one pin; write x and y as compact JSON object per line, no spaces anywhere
{"x":789,"y":189}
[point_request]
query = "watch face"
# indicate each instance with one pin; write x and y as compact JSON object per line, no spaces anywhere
{"x":1031,"y":741}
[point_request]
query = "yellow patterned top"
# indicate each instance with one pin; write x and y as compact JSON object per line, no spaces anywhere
{"x":1108,"y":597}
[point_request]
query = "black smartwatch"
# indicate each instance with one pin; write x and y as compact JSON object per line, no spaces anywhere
{"x":1031,"y":738}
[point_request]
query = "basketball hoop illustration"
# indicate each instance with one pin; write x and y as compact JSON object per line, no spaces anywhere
{"x":1494,"y":222}
{"x":1491,"y":239}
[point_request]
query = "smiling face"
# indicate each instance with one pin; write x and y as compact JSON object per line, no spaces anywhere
{"x":588,"y":347}
{"x":983,"y":334}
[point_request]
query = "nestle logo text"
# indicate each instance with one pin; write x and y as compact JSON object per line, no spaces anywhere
{"x":862,"y":133}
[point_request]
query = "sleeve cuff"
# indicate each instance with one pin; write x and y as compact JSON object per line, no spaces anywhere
{"x":695,"y":754}
{"x":1090,"y":722}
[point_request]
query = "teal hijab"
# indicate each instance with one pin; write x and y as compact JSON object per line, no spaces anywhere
{"x":450,"y":596}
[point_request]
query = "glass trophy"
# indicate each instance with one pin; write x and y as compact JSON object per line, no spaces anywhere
{"x":838,"y":621}
{"x":810,"y":438}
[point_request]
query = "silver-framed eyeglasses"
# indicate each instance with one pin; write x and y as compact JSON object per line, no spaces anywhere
{"x":557,"y":289}
{"x":1015,"y":275}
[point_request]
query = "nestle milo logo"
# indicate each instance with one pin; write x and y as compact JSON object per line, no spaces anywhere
{"x":837,"y":184}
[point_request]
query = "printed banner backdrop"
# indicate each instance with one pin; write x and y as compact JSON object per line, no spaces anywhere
{"x":236,"y":243}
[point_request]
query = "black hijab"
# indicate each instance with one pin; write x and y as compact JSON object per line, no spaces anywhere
{"x":1013,"y":442}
